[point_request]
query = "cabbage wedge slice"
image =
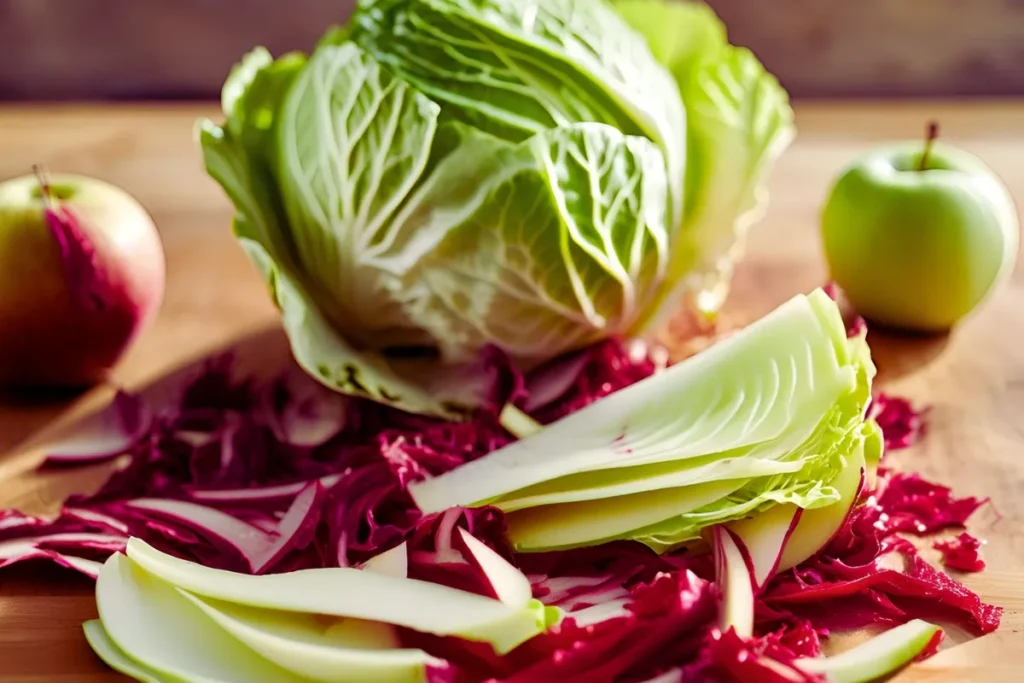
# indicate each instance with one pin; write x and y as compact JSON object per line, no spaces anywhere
{"x":358,"y":594}
{"x":571,"y":525}
{"x":774,"y":410}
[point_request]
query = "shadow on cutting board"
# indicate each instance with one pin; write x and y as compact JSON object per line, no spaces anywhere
{"x":900,"y":354}
{"x":260,"y":354}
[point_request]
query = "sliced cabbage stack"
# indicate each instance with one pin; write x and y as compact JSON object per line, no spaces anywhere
{"x":440,"y":177}
{"x":772,"y":415}
{"x":162,"y":618}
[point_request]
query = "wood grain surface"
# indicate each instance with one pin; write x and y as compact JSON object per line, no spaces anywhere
{"x":972,"y":379}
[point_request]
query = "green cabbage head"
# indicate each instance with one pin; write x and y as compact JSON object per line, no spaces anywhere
{"x":442,"y":176}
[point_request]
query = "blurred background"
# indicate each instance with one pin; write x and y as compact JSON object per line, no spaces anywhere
{"x":182,"y":49}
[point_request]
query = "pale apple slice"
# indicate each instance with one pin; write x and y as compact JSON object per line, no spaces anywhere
{"x":393,"y":562}
{"x":326,"y":650}
{"x":882,"y":655}
{"x":735,"y":579}
{"x":509,"y":584}
{"x":100,"y":642}
{"x":154,"y":625}
{"x":818,"y":526}
{"x":785,"y":535}
{"x":765,"y":538}
{"x":348,"y":592}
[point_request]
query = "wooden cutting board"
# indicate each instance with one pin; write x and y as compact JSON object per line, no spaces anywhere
{"x":973,"y":379}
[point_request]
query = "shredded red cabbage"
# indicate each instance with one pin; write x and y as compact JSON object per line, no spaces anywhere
{"x":437,"y":553}
{"x":105,"y":435}
{"x":285,"y":475}
{"x":660,"y":628}
{"x":906,"y":502}
{"x":869,"y":574}
{"x":728,"y":657}
{"x":605,"y":368}
{"x":901,"y":423}
{"x":962,"y":553}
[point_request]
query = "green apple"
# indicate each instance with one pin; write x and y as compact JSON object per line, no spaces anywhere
{"x":81,"y":274}
{"x":918,"y":235}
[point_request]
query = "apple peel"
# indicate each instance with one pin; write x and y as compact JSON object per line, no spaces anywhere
{"x":95,"y":269}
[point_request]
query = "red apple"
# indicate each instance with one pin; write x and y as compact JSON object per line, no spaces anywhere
{"x":81,"y":274}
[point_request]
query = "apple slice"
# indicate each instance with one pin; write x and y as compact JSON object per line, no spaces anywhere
{"x":765,"y":537}
{"x":736,"y":581}
{"x":100,"y":642}
{"x":348,"y":592}
{"x":393,"y":562}
{"x":785,"y":535}
{"x":154,"y":625}
{"x":509,"y":584}
{"x":817,"y":526}
{"x":330,"y":651}
{"x":880,"y":656}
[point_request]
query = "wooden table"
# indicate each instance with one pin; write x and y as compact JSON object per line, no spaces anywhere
{"x":974,"y":379}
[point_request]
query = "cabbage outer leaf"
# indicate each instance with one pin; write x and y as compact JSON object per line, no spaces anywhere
{"x":353,"y":142}
{"x":738,"y":123}
{"x":515,"y":69}
{"x":241,"y":156}
{"x":392,"y":230}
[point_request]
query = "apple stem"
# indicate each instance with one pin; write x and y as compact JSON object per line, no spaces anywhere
{"x":929,"y":140}
{"x":43,"y":176}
